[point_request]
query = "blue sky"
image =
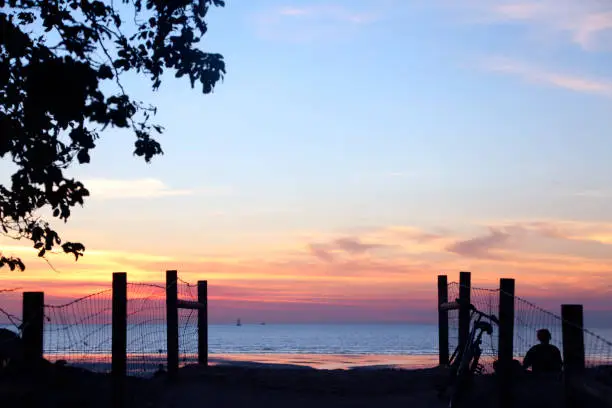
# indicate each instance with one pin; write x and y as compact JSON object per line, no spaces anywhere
{"x":479,"y":121}
{"x":351,"y":109}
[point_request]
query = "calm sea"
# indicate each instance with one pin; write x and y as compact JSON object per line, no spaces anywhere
{"x":317,"y":345}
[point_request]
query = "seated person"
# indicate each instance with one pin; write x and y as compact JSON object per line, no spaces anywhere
{"x":543,"y":357}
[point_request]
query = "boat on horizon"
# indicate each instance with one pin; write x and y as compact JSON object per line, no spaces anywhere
{"x":238,"y":323}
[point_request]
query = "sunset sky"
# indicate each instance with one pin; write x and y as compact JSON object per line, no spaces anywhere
{"x":357,"y":149}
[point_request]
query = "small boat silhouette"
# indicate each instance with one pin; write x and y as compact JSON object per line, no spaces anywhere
{"x":238,"y":323}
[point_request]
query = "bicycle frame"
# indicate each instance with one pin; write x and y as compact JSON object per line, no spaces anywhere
{"x":476,"y":331}
{"x":474,"y":339}
{"x":464,"y":362}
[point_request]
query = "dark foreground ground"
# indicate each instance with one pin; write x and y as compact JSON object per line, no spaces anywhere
{"x":286,"y":387}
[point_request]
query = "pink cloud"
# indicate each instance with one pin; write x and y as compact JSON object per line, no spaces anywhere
{"x":480,"y":247}
{"x":588,"y":31}
{"x":347,"y":245}
{"x":376,"y":273}
{"x":321,"y":252}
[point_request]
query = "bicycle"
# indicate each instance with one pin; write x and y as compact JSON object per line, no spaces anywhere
{"x":465,"y":363}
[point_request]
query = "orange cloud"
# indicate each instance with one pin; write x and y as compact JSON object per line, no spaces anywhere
{"x":375,"y":272}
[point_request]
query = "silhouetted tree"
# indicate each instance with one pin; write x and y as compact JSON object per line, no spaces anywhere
{"x":61,"y":64}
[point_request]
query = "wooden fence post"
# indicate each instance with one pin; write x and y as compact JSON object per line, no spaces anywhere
{"x":505,"y":353}
{"x":119,"y":337}
{"x":443,"y":320}
{"x":172,"y":323}
{"x":465,"y":283}
{"x":203,"y":323}
{"x":573,"y":351}
{"x":33,"y":314}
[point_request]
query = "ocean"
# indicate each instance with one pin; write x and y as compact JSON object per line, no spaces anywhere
{"x":325,"y":346}
{"x":400,"y":339}
{"x":329,"y":346}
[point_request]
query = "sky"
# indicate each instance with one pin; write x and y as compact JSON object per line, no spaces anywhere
{"x":355,"y":150}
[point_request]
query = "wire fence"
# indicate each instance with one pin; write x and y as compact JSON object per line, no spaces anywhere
{"x":9,"y":341}
{"x":81,"y":331}
{"x":10,"y":296}
{"x":188,"y":324}
{"x":528,"y":319}
{"x":487,"y":301}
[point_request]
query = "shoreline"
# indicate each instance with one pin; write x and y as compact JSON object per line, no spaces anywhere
{"x":328,"y":361}
{"x":144,"y":365}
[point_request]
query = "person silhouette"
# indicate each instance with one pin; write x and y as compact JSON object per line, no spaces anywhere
{"x":543,"y":357}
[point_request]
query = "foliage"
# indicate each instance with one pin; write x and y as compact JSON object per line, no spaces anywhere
{"x":61,"y":64}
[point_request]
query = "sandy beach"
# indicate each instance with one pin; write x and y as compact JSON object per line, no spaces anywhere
{"x":256,"y":384}
{"x":230,"y":385}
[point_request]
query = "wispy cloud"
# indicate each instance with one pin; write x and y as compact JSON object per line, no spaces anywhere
{"x":482,"y":247}
{"x":322,"y":252}
{"x":518,"y":11}
{"x":530,"y":73}
{"x":312,"y":22}
{"x":357,"y":273}
{"x":329,"y":12}
{"x":348,"y":245}
{"x":503,"y":238}
{"x":601,"y":193}
{"x":401,"y":174}
{"x":586,"y":23}
{"x":107,"y":189}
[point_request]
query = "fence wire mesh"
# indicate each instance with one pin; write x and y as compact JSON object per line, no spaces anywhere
{"x":80,"y":332}
{"x":8,"y":319}
{"x":146,"y":333}
{"x":528,"y":319}
{"x":188,"y":324}
{"x":598,"y":358}
{"x":10,"y":324}
{"x":485,"y":300}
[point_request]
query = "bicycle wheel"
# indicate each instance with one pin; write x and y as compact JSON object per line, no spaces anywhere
{"x":463,"y":380}
{"x":474,"y":365}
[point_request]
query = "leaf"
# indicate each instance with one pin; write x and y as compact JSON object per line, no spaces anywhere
{"x":61,"y":102}
{"x":105,"y":72}
{"x":83,"y":156}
